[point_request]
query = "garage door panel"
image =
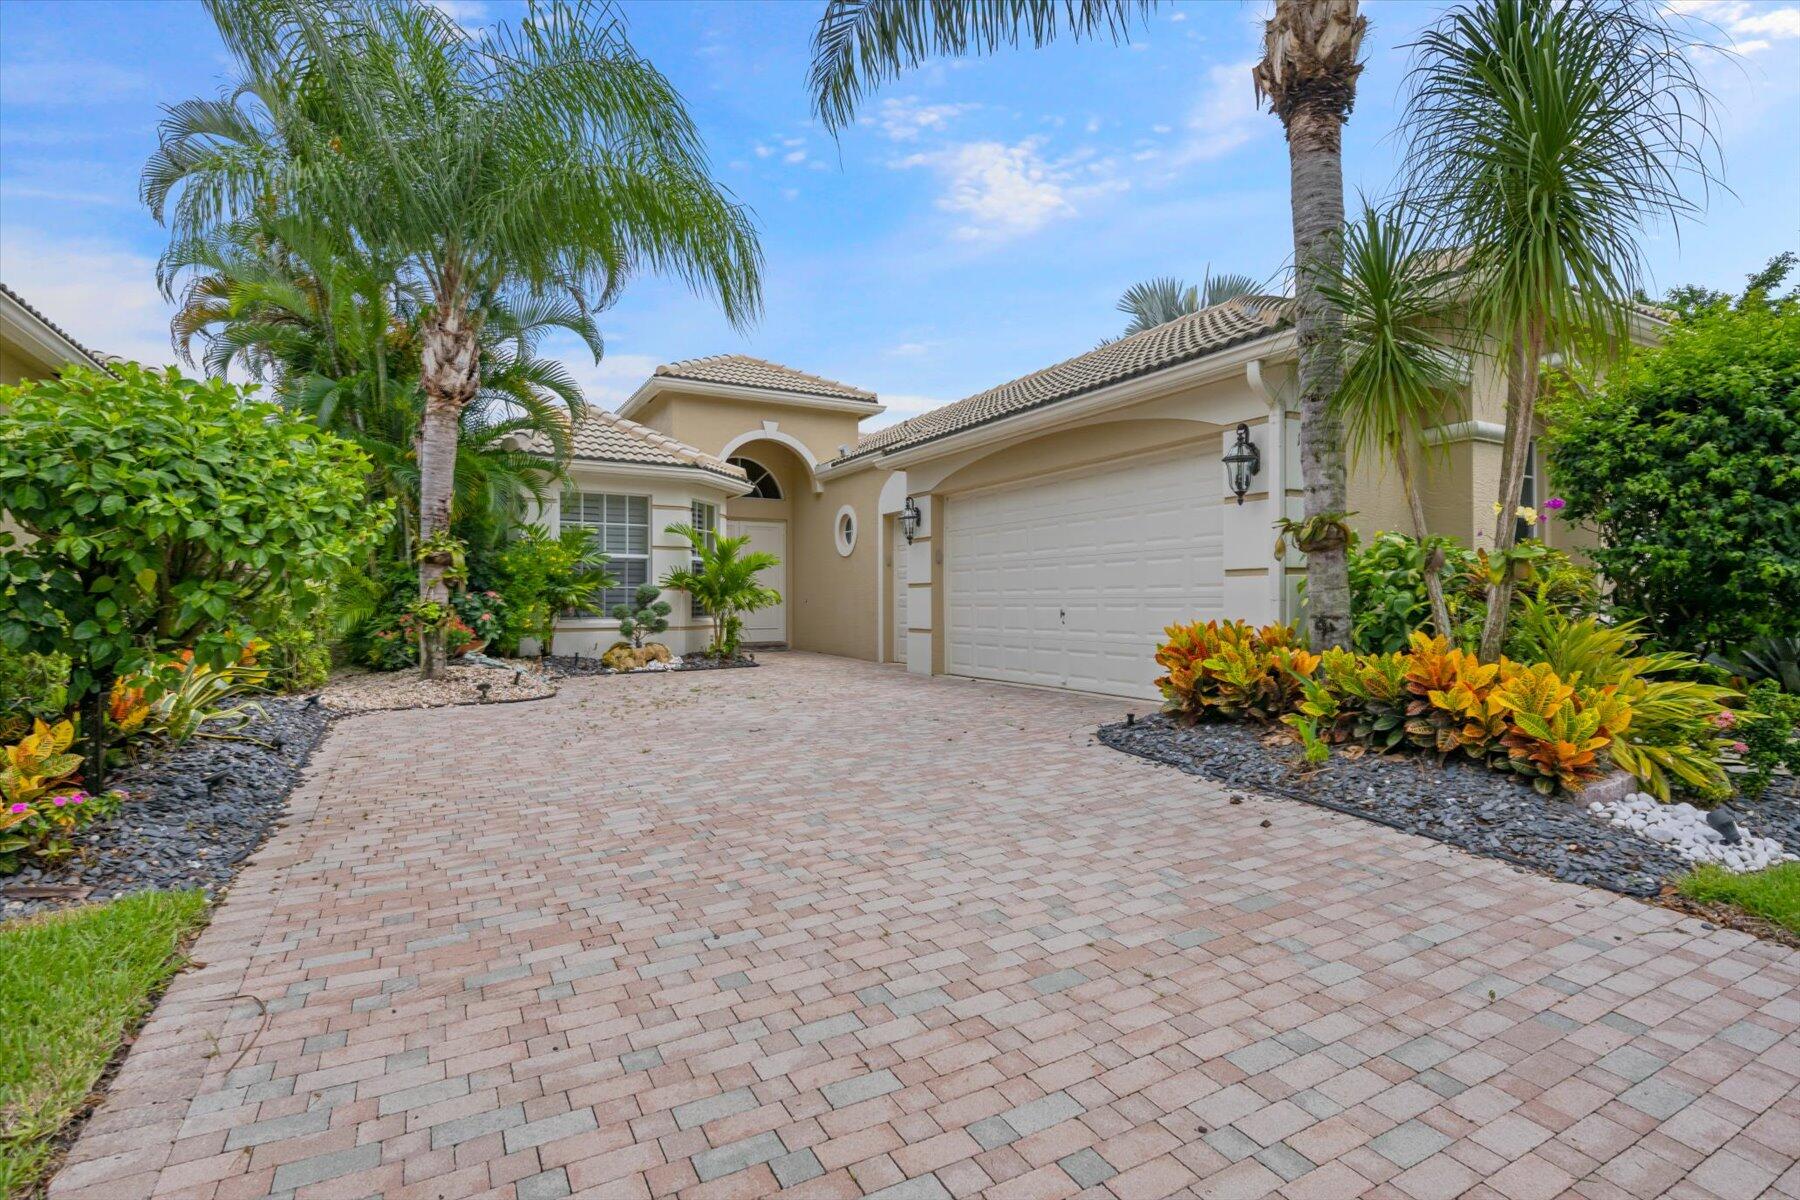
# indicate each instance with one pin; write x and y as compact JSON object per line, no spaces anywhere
{"x":1070,"y":582}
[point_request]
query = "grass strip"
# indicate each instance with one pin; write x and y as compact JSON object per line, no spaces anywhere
{"x":1772,"y":894}
{"x":72,"y":984}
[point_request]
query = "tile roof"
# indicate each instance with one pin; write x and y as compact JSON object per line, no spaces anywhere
{"x":93,"y":357}
{"x":1179,"y":341}
{"x":741,"y":370}
{"x":602,"y":436}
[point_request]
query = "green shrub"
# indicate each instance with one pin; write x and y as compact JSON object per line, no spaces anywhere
{"x":646,"y":616}
{"x":1687,"y":460}
{"x":1387,"y":590}
{"x":540,"y":577}
{"x":1770,"y":739}
{"x":165,"y":513}
{"x":32,"y":686}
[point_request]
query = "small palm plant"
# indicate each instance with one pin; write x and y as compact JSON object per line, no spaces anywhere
{"x":723,"y":581}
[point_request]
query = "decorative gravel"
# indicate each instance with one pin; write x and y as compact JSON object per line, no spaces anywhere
{"x":193,"y":815}
{"x":1460,"y":802}
{"x":577,"y":665}
{"x":1686,"y":830}
{"x":371,"y":691}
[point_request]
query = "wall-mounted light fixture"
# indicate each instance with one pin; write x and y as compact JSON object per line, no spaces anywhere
{"x":910,"y":516}
{"x":1244,"y":461}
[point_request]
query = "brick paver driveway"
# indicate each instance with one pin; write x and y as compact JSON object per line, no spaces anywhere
{"x":829,"y":928}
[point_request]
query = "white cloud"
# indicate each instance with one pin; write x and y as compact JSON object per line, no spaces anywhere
{"x":67,"y":83}
{"x":1226,"y":116}
{"x":607,"y":383}
{"x":1005,"y":191}
{"x":470,"y":14}
{"x":102,"y":293}
{"x":908,"y":349}
{"x":904,"y":118}
{"x":900,"y":406}
{"x":1752,"y":26}
{"x":763,"y":151}
{"x":794,"y":156}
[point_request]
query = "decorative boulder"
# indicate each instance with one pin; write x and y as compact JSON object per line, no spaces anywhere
{"x":654,"y":652}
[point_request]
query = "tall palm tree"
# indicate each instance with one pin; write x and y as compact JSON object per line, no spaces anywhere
{"x":1162,"y":299}
{"x":543,"y":159}
{"x":336,"y":338}
{"x":1393,"y":294}
{"x":862,"y":44}
{"x":1308,"y":77}
{"x":1545,"y":135}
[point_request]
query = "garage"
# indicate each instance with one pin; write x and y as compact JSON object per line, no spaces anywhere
{"x":1068,"y":581}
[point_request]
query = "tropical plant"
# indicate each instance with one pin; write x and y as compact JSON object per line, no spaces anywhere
{"x":32,"y":686}
{"x":1388,"y":596}
{"x":1776,"y":659}
{"x":723,"y":582}
{"x":1308,"y":77}
{"x":1399,"y":377}
{"x":1770,"y":740}
{"x":645,"y":616}
{"x":1687,"y":461}
{"x":1232,"y":671}
{"x":1543,"y":136}
{"x":484,"y":612}
{"x":542,"y":577}
{"x":165,"y":513}
{"x":544,"y":160}
{"x":1160,"y":300}
{"x":40,"y":801}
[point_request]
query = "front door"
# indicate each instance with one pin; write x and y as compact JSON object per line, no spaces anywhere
{"x":766,"y":625}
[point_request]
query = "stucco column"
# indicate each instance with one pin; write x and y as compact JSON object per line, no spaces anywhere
{"x":924,"y":601}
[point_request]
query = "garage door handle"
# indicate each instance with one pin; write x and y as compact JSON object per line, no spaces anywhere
{"x":1062,"y":614}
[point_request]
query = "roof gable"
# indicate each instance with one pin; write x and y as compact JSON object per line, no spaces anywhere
{"x":605,"y":437}
{"x":740,"y":370}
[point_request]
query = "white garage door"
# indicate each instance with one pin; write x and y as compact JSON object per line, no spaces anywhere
{"x":899,"y":552}
{"x":1069,"y":582}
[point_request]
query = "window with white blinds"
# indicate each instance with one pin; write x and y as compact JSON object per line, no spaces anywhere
{"x":622,"y":532}
{"x":705,"y":518}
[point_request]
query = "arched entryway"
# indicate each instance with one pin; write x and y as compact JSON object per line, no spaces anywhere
{"x":779,"y":477}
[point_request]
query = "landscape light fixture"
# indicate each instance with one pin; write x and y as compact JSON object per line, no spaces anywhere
{"x":1244,"y":461}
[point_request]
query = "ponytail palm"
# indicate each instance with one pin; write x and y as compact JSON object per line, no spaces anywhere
{"x":1545,"y":137}
{"x":1162,"y":299}
{"x":724,"y":580}
{"x":546,"y":161}
{"x":1392,"y":294}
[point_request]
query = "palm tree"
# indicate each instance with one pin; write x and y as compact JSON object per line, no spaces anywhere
{"x":723,"y":579}
{"x":1545,"y":135}
{"x":336,"y":338}
{"x":1162,"y":299}
{"x":544,"y":160}
{"x":1308,"y":76}
{"x":861,"y":44}
{"x":1392,"y":295}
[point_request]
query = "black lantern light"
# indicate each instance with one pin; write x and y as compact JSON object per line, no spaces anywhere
{"x":1244,"y":461}
{"x":909,"y":520}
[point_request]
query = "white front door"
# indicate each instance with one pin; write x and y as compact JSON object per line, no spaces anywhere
{"x":766,"y":624}
{"x":899,"y":550}
{"x":1069,"y":582}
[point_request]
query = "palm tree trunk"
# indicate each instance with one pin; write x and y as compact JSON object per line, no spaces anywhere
{"x":449,"y":372}
{"x":1521,"y":406}
{"x":1434,"y":558}
{"x":1315,"y":164}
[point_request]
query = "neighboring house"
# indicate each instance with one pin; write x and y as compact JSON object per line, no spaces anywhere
{"x":1067,"y":516}
{"x":31,"y":345}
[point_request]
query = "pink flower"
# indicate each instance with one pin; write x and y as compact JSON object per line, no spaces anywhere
{"x":1740,"y":748}
{"x":77,"y":799}
{"x":60,"y":801}
{"x":1554,"y":503}
{"x":487,"y":616}
{"x":19,"y":808}
{"x":1726,"y":719}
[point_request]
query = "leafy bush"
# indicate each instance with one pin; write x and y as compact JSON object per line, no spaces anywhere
{"x":540,"y":577}
{"x":1688,"y":462}
{"x":1768,"y":742}
{"x":1387,"y":590}
{"x":1776,"y":659}
{"x":1559,"y":721}
{"x":165,"y":513}
{"x":40,"y":802}
{"x":646,"y":615}
{"x":32,"y":686}
{"x":485,"y":613}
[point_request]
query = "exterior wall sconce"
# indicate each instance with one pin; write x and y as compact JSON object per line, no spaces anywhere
{"x":1244,"y":461}
{"x":909,"y":520}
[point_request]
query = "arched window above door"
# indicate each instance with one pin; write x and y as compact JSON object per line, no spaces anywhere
{"x":763,"y":485}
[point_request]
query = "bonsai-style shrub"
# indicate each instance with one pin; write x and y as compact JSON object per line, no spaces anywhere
{"x":724,"y":582}
{"x":162,"y":514}
{"x":646,"y":615}
{"x":1687,"y":460}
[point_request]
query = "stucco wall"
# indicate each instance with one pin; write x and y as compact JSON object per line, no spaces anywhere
{"x":14,"y":369}
{"x":837,"y":599}
{"x":710,"y":422}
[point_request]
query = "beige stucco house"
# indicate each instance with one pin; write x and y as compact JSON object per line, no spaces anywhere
{"x":1066,"y":516}
{"x":31,"y":345}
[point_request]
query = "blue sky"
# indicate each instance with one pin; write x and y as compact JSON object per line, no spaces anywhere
{"x":977,"y":224}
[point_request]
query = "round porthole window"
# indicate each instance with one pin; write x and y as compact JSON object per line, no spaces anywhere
{"x":846,"y":530}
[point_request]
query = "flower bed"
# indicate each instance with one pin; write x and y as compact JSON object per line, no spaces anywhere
{"x":580,"y":665}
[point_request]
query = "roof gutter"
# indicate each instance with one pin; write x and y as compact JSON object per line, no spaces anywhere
{"x":41,"y":341}
{"x":1209,"y":368}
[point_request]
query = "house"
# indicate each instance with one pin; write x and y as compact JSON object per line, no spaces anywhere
{"x":31,"y":345}
{"x":1064,"y":518}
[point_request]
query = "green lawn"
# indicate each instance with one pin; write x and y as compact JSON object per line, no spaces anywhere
{"x":1773,"y":894}
{"x":70,"y":986}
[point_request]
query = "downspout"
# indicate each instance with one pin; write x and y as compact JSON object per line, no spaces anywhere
{"x":1276,"y":460}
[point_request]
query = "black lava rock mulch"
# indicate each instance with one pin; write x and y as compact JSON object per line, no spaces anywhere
{"x":177,"y":830}
{"x":1459,"y":802}
{"x":572,"y":664}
